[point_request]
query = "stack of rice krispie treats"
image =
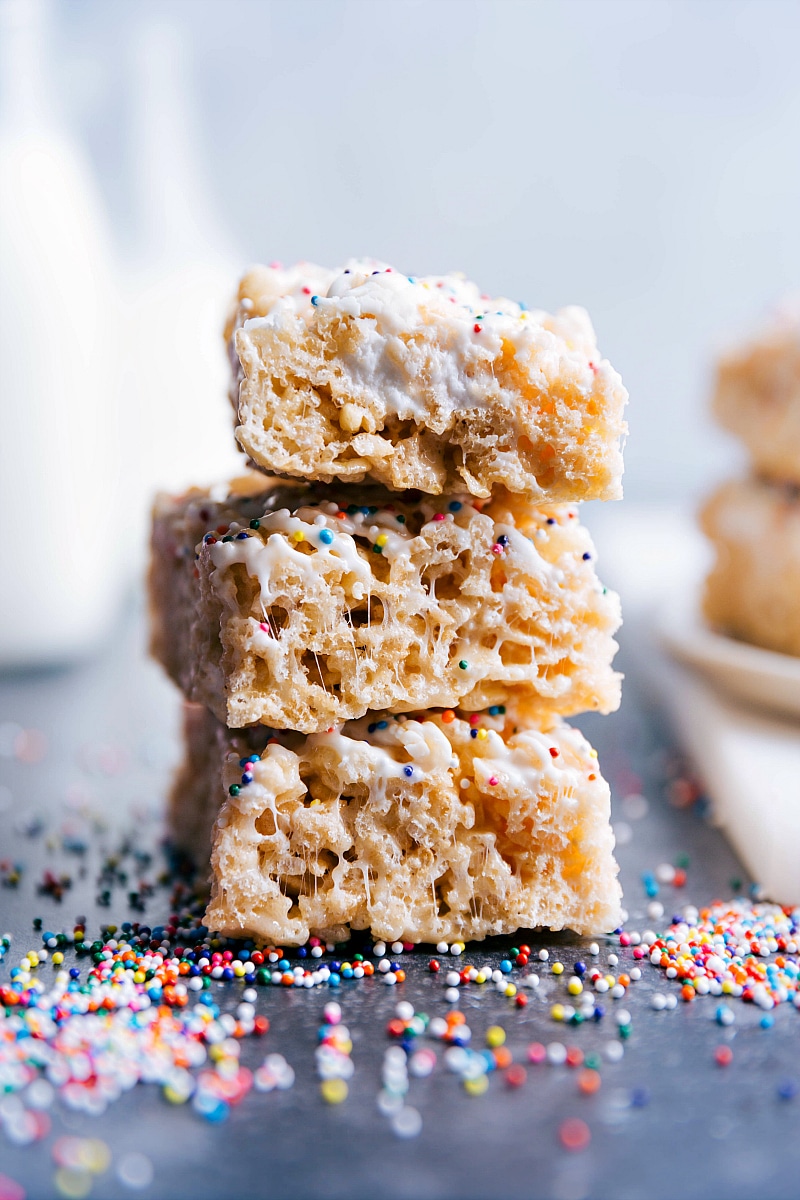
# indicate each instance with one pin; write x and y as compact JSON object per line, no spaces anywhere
{"x":753,"y":590}
{"x":380,"y":628}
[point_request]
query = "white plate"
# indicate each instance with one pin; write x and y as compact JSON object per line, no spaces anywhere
{"x":759,"y":677}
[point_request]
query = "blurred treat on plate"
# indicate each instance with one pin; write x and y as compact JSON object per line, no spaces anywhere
{"x":758,"y":395}
{"x":753,"y":589}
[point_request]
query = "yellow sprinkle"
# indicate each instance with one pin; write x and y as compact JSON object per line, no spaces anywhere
{"x":476,"y":1087}
{"x":239,"y":969}
{"x":610,"y":980}
{"x":727,"y":987}
{"x":495,"y":1036}
{"x":333,"y":1091}
{"x":557,"y":968}
{"x":575,"y":987}
{"x":382,"y":539}
{"x":557,"y":1012}
{"x":94,"y":1155}
{"x":510,"y":990}
{"x":482,"y":735}
{"x":593,"y":753}
{"x":298,"y":536}
{"x":138,"y":977}
{"x":73,"y":1182}
{"x":174,"y":1096}
{"x":58,"y":958}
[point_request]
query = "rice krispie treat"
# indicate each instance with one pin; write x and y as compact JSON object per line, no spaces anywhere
{"x":305,"y":606}
{"x":419,"y":828}
{"x":758,"y":396}
{"x":753,"y":590}
{"x":421,"y":383}
{"x":195,"y":794}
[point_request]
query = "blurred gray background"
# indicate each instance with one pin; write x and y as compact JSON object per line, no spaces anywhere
{"x":638,"y":157}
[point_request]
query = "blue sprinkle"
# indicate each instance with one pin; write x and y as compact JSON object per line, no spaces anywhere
{"x":473,"y":733}
{"x":767,"y":1021}
{"x":505,"y":967}
{"x":788,"y":1089}
{"x":551,"y":520}
{"x":333,"y":979}
{"x":326,"y":536}
{"x":579,"y":968}
{"x":315,"y":300}
{"x":455,"y":506}
{"x":240,"y":537}
{"x":408,"y":772}
{"x":586,"y":556}
{"x":383,"y":724}
{"x":371,"y":728}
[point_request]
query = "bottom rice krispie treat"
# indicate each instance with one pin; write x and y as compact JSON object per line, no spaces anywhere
{"x":420,"y":828}
{"x":753,"y":590}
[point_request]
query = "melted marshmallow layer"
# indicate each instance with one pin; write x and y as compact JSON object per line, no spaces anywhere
{"x":421,"y":382}
{"x":424,"y":827}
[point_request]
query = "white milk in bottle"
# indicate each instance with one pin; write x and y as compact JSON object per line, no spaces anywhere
{"x":59,"y":372}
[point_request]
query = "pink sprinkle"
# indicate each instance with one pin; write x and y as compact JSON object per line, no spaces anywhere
{"x":638,"y":952}
{"x":536,"y":1052}
{"x":492,"y":781}
{"x":262,"y":625}
{"x":474,"y":718}
{"x":439,"y":517}
{"x":624,"y":939}
{"x":497,"y":548}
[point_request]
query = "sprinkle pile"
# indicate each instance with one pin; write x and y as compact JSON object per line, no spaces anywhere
{"x":721,"y":950}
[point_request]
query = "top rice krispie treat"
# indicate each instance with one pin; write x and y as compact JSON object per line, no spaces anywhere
{"x":758,"y":396}
{"x":421,"y":383}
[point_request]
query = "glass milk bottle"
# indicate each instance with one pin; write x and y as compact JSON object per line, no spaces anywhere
{"x":59,"y":372}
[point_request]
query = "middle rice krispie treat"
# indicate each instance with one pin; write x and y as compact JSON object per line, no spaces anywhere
{"x":303,"y":606}
{"x":416,"y":828}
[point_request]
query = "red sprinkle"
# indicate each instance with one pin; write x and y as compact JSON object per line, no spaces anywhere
{"x":574,"y":1134}
{"x":723,"y":1056}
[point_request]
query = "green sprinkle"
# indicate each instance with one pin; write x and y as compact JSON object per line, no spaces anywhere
{"x":255,"y":523}
{"x":234,"y":789}
{"x":463,"y":664}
